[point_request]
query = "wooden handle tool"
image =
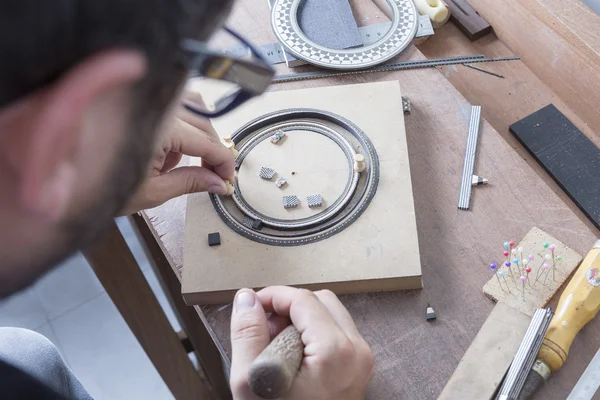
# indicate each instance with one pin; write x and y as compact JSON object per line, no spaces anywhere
{"x":273,"y":372}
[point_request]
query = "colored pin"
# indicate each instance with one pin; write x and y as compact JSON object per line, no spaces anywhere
{"x":506,"y":253}
{"x":494,"y":267}
{"x":546,"y":267}
{"x":528,"y":270}
{"x":520,"y":251}
{"x":523,"y":279}
{"x":545,"y":244}
{"x":501,"y":275}
{"x":507,"y":265}
{"x":506,"y":245}
{"x":531,"y":257}
{"x":552,"y":248}
{"x":540,"y":272}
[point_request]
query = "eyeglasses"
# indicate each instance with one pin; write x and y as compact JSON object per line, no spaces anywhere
{"x":243,"y":78}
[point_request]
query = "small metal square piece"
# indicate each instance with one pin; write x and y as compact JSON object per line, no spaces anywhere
{"x":247,"y":222}
{"x":281,"y":182}
{"x":266,"y":173}
{"x":406,"y":106}
{"x":214,"y":239}
{"x":277,"y":136}
{"x":430,"y":314}
{"x":315,"y":200}
{"x":290,"y":201}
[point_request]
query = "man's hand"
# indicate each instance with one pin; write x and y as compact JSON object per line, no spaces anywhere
{"x":193,"y":137}
{"x":337,"y":364}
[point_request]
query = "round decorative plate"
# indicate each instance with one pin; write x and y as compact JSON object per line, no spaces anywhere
{"x":316,"y":157}
{"x":402,"y":31}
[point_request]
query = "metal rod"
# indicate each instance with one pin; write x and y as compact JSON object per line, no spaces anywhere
{"x":485,"y":71}
{"x":588,"y":383}
{"x":464,"y":199}
{"x":391,"y":67}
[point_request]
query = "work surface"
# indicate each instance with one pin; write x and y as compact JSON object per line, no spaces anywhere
{"x":415,"y":358}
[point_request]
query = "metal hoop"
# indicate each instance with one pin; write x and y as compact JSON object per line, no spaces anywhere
{"x":316,"y":219}
{"x":287,"y":30}
{"x":227,"y":207}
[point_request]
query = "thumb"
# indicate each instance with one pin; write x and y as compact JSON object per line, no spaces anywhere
{"x":185,"y":180}
{"x":249,"y":337}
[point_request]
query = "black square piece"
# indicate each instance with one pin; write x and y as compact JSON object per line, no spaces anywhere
{"x":214,"y":239}
{"x":566,"y":154}
{"x":257,"y":224}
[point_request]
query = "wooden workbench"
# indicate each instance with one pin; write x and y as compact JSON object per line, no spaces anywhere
{"x":415,"y":358}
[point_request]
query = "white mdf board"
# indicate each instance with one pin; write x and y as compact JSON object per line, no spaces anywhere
{"x":378,"y":252}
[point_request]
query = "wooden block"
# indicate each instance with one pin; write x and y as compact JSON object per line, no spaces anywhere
{"x":487,"y":359}
{"x":377,"y":252}
{"x":558,"y":41}
{"x":537,"y":295}
{"x":467,"y":19}
{"x":570,"y":158}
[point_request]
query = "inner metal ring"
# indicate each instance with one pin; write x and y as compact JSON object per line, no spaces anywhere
{"x":229,"y":212}
{"x":288,"y":32}
{"x":329,"y":212}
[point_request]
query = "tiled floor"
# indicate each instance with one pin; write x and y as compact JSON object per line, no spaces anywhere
{"x":70,"y":307}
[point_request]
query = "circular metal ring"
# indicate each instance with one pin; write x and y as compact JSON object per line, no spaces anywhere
{"x":322,"y":216}
{"x":229,"y":212}
{"x":287,"y":30}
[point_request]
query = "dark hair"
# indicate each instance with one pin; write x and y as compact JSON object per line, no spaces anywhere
{"x":41,"y":39}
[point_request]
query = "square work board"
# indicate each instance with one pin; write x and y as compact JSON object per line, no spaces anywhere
{"x":377,"y":252}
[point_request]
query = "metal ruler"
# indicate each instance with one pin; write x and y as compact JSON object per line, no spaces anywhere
{"x":274,"y":53}
{"x":587,"y":385}
{"x":464,"y":199}
{"x":372,"y":33}
{"x":436,"y":62}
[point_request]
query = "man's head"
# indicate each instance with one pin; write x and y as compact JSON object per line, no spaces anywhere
{"x":84,"y":87}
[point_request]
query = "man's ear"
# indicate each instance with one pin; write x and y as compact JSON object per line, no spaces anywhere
{"x":48,"y":175}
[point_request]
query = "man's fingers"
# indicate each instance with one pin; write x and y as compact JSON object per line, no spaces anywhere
{"x":277,"y":323}
{"x":184,"y":180}
{"x":339,"y":313}
{"x":171,"y":161}
{"x":249,"y":337}
{"x":193,"y":119}
{"x":193,"y":142}
{"x":308,"y":314}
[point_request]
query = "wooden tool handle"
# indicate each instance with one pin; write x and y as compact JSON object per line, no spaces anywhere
{"x":274,"y":370}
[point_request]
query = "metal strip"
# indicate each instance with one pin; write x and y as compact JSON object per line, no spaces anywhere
{"x":391,"y":67}
{"x":485,"y":71}
{"x":464,"y":199}
{"x":526,"y":354}
{"x":588,"y":383}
